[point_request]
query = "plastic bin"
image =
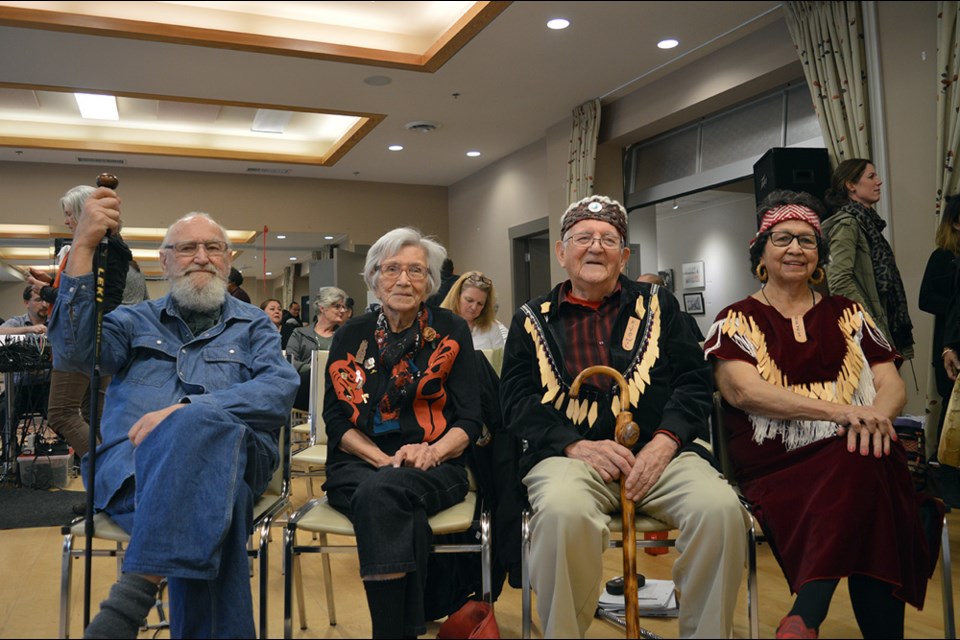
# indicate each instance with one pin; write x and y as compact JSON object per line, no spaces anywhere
{"x":45,"y":471}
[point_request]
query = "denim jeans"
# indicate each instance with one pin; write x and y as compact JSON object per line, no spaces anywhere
{"x":189,"y":510}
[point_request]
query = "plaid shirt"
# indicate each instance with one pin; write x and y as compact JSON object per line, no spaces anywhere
{"x":587,"y":329}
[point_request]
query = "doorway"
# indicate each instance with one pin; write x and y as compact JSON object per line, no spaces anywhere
{"x":530,"y":260}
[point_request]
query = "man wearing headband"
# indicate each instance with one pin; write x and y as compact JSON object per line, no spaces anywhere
{"x":572,"y":465}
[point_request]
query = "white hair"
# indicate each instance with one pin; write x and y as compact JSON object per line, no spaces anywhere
{"x":390,"y":245}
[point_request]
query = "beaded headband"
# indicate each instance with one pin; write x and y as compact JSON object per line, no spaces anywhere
{"x":787,"y":212}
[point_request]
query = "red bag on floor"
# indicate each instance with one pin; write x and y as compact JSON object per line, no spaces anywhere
{"x":473,"y":620}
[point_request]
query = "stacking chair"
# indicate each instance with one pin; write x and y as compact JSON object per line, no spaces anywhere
{"x":310,"y":460}
{"x":318,"y":517}
{"x":274,"y":501}
{"x":719,"y":437}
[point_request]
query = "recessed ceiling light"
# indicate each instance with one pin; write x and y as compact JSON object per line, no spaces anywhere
{"x":268,"y":273}
{"x":97,"y":107}
{"x":378,"y":81}
{"x":669,"y":43}
{"x":473,"y":154}
{"x":558,"y":23}
{"x":281,"y":237}
{"x":293,"y":258}
{"x":328,"y":237}
{"x":395,"y":147}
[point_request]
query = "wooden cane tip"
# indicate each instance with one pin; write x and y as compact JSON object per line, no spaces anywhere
{"x":107,"y":180}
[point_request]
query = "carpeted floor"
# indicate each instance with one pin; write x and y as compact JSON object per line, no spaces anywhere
{"x":22,"y":507}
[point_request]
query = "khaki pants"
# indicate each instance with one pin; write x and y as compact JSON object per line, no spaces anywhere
{"x":69,"y":406}
{"x":570,"y":531}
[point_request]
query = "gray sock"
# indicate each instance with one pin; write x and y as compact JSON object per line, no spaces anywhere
{"x":123,"y":612}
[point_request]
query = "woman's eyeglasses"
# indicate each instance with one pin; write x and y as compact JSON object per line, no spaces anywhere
{"x":785,"y":238}
{"x":392,"y":271}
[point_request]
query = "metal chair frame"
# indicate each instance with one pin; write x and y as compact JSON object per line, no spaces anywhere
{"x":273,"y":502}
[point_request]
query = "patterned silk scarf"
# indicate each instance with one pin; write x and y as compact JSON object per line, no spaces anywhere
{"x":889,"y":283}
{"x":397,"y":351}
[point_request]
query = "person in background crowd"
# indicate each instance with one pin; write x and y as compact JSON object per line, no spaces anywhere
{"x":274,"y":311}
{"x":349,"y":311}
{"x":330,"y":313}
{"x":862,"y":267}
{"x":190,"y":430}
{"x":473,"y":298}
{"x":135,"y":289}
{"x":447,"y":278}
{"x":288,"y":322}
{"x":818,"y":457}
{"x":31,"y":388}
{"x":572,"y":464}
{"x":234,"y":288}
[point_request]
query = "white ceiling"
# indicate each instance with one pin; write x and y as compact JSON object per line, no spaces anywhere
{"x":496,"y":94}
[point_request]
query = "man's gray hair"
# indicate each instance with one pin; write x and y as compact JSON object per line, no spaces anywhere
{"x":196,"y":214}
{"x":390,"y":245}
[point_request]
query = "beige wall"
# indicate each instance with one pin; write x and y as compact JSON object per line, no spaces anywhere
{"x":362,"y":210}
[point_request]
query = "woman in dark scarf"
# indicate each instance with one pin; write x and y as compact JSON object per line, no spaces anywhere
{"x":401,"y":406}
{"x":862,"y":266}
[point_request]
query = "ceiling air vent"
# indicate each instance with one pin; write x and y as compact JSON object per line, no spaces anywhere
{"x":278,"y":172}
{"x":422,"y":126}
{"x":83,"y":160}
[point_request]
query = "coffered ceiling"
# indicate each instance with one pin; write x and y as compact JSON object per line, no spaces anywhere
{"x":349,"y":79}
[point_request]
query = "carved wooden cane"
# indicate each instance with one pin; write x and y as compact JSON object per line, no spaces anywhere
{"x":109,"y":181}
{"x":627,"y":433}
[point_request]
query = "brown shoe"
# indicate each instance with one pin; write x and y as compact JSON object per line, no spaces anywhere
{"x":795,"y":627}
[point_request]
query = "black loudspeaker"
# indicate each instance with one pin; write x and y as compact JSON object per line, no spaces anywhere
{"x":793,"y":169}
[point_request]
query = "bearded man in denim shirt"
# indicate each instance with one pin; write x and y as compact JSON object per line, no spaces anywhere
{"x":190,"y":428}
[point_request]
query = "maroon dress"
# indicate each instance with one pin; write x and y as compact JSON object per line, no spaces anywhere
{"x":828,"y":513}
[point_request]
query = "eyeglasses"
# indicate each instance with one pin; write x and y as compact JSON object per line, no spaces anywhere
{"x":415,"y":272}
{"x":479,"y":280}
{"x":785,"y":238}
{"x":213,"y":248}
{"x":586,"y":240}
{"x":339,"y":306}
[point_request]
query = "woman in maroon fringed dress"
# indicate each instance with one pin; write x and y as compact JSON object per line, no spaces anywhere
{"x":810,"y":388}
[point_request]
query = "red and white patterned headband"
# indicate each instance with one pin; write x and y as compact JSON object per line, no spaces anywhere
{"x":787,"y":212}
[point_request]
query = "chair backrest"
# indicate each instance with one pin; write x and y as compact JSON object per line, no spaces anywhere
{"x":719,"y":436}
{"x":280,"y":482}
{"x":495,"y":356}
{"x":318,"y":366}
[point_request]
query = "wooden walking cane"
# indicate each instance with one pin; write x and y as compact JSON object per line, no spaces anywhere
{"x":627,"y":433}
{"x":99,"y":267}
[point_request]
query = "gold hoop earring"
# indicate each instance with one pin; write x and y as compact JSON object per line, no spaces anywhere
{"x":817,"y":276}
{"x":761,"y":272}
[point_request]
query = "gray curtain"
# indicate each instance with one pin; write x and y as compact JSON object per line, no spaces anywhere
{"x":829,"y":40}
{"x":948,"y":98}
{"x":583,"y":150}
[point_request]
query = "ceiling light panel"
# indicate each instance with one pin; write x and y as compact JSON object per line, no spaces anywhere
{"x":270,"y":121}
{"x":97,"y":107}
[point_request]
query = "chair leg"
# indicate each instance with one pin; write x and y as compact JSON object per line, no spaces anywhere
{"x":328,"y":582}
{"x":753,"y":604}
{"x":66,"y":579}
{"x":946,"y":574}
{"x":485,"y":557}
{"x":298,"y":580}
{"x":263,"y":552}
{"x":526,"y":613}
{"x":289,"y":538}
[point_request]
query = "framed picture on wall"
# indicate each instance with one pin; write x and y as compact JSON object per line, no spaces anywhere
{"x":693,"y":275}
{"x":693,"y":303}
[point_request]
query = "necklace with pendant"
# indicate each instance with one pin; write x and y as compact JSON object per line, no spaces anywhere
{"x":799,"y":329}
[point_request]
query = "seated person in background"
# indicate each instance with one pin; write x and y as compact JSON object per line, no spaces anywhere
{"x":348,"y":312}
{"x":288,"y":322}
{"x":234,"y":288}
{"x":191,"y":423}
{"x":274,"y":311}
{"x":472,"y":298}
{"x":817,"y":456}
{"x":400,"y":409}
{"x":330,"y":312}
{"x":33,"y":321}
{"x":135,"y":289}
{"x":572,"y":463}
{"x":653,"y":278}
{"x":32,"y":387}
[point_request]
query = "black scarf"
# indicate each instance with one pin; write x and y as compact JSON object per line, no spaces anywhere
{"x":397,"y":351}
{"x":889,"y":283}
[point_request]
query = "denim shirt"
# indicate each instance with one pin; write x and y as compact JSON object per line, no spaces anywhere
{"x":236,"y":366}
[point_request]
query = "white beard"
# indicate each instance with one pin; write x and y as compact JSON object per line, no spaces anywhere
{"x":206,"y":297}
